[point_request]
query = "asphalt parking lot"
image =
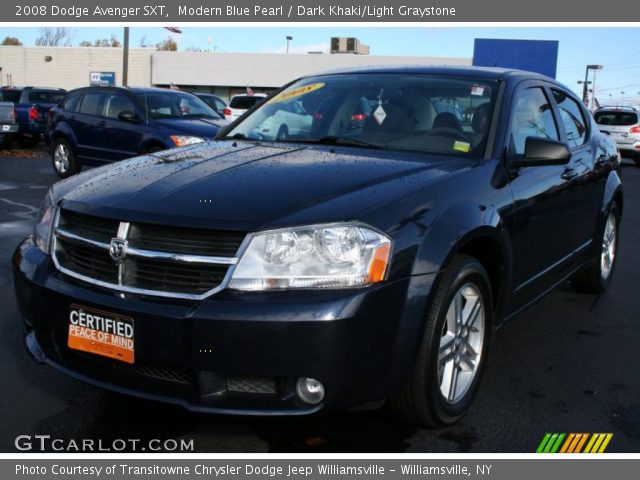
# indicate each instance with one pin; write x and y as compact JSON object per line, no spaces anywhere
{"x":568,"y":364}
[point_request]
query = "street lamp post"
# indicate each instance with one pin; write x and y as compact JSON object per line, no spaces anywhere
{"x":585,"y":90}
{"x":125,"y":57}
{"x":289,"y":38}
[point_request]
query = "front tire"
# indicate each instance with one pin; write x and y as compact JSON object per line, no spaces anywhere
{"x":64,"y":159}
{"x":597,"y":275}
{"x":453,"y":350}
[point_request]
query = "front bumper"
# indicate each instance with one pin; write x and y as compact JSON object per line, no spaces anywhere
{"x":360,"y":343}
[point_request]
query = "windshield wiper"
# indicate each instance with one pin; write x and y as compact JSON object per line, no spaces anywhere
{"x":335,"y":140}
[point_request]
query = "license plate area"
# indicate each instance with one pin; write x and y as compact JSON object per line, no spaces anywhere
{"x":101,"y":333}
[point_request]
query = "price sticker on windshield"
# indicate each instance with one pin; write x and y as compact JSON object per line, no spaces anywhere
{"x":296,"y":92}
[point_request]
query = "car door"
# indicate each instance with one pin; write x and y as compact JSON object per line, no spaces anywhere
{"x":88,"y":125}
{"x":585,"y":172}
{"x":123,"y":136}
{"x":543,"y":220}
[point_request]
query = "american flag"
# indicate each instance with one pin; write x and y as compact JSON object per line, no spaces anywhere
{"x":173,"y":86}
{"x":596,"y":103}
{"x":249,"y":91}
{"x":173,"y":29}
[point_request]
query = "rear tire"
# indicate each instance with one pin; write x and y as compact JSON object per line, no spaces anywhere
{"x":29,"y":141}
{"x":63,"y":159}
{"x":5,"y":140}
{"x":454,"y":348}
{"x":596,"y":276}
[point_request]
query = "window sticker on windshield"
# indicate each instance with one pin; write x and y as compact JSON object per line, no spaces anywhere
{"x":296,"y":92}
{"x":379,"y":114}
{"x":462,"y":146}
{"x":477,"y":90}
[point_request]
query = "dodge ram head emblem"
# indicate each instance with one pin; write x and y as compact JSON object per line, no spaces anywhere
{"x":118,"y":249}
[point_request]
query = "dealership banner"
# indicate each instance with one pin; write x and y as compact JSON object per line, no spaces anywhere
{"x":188,"y":11}
{"x":120,"y":468}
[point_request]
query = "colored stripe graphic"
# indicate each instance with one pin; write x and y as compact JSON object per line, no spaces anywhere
{"x":574,"y":443}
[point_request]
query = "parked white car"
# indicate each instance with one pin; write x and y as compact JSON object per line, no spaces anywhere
{"x":287,"y":122}
{"x":240,"y":104}
{"x":623,"y":124}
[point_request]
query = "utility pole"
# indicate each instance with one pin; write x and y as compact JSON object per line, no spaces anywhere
{"x":125,"y":58}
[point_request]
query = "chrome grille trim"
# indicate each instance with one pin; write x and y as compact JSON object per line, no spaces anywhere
{"x":124,"y":228}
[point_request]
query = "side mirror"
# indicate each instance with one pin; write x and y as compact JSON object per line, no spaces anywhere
{"x":539,"y":152}
{"x":128,"y":116}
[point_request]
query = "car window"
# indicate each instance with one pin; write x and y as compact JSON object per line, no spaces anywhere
{"x":244,"y":102}
{"x":10,"y":95}
{"x":531,"y":117}
{"x":572,"y":118}
{"x":415,"y":112}
{"x":90,"y":103}
{"x":70,"y":102}
{"x":46,"y":96}
{"x":173,"y":104}
{"x":220,"y":105}
{"x":616,"y":119}
{"x":115,"y":104}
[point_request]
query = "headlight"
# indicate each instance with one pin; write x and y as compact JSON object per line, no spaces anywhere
{"x":44,"y":223}
{"x":183,"y":140}
{"x":322,"y":256}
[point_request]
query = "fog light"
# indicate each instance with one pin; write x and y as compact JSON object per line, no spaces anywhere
{"x":310,"y":390}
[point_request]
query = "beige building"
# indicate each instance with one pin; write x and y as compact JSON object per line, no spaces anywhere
{"x":70,"y":67}
{"x":221,"y":73}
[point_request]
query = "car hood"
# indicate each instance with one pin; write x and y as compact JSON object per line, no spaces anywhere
{"x":201,"y":127}
{"x":249,"y":186}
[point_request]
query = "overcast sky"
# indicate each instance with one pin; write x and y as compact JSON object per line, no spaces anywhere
{"x":618,"y":49}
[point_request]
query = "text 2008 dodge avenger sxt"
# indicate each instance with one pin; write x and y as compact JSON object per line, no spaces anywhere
{"x":355,"y":238}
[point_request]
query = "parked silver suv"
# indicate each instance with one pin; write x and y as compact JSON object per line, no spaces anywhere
{"x":623,"y":124}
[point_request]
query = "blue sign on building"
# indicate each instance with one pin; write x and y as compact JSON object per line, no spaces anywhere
{"x":540,"y":56}
{"x":104,"y":79}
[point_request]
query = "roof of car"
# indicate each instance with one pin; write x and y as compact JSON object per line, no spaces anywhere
{"x":491,"y":73}
{"x":134,"y":90}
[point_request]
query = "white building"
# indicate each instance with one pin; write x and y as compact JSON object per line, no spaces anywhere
{"x":221,"y":73}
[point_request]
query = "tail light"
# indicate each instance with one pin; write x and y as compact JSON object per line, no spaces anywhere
{"x":227,"y":111}
{"x":635,"y":129}
{"x":359,"y":117}
{"x":33,"y":112}
{"x":15,"y":114}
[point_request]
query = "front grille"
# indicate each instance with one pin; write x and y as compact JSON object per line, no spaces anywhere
{"x":87,"y":261}
{"x":160,"y":371}
{"x":158,"y":260}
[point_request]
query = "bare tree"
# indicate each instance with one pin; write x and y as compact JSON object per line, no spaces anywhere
{"x":54,"y":37}
{"x":168,"y":44}
{"x":11,"y":41}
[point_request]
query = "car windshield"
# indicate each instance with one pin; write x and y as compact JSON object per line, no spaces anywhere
{"x":617,"y":119}
{"x":423,"y":113}
{"x":172,"y":104}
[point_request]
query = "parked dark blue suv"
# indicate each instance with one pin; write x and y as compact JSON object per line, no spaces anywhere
{"x":95,"y":125}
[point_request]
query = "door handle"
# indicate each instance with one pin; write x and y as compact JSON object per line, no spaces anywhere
{"x":569,"y":173}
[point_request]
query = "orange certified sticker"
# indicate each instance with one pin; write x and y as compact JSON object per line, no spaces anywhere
{"x":296,"y":92}
{"x":101,"y":333}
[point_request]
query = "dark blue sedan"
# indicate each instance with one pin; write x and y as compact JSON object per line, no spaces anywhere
{"x":96,"y":125}
{"x":355,"y":238}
